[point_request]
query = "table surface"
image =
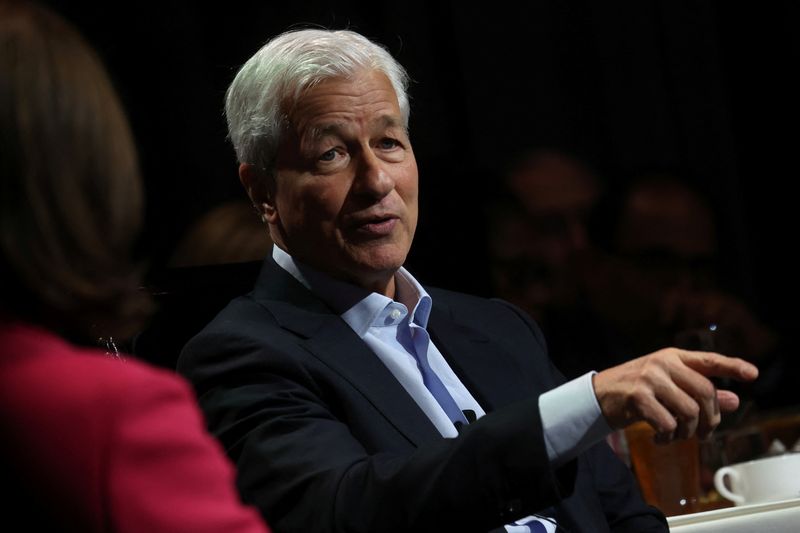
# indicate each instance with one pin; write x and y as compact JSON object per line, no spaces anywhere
{"x":771,"y":517}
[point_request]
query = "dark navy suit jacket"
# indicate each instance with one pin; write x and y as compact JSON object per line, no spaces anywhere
{"x":326,"y":439}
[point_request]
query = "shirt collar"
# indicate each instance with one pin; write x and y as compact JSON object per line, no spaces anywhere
{"x":357,"y":306}
{"x":414,"y":296}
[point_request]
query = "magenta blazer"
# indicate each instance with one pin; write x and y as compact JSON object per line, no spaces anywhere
{"x":110,"y":445}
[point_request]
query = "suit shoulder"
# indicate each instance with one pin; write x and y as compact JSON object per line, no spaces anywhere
{"x":495,"y":313}
{"x":461,"y":303}
{"x":457,"y":299}
{"x":246,"y":332}
{"x":241,"y":318}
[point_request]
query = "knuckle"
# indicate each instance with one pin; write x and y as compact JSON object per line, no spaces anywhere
{"x":643,"y":392}
{"x":665,"y":353}
{"x":649,"y":373}
{"x":707,"y":390}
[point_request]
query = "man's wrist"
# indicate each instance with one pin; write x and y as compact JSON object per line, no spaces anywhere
{"x":571,"y":419}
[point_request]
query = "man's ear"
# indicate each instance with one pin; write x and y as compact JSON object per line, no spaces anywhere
{"x":256,"y":182}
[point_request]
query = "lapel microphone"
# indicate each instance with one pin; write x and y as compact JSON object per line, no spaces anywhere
{"x":469,"y":414}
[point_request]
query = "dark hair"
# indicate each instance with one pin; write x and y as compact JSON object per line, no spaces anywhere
{"x":231,"y":232}
{"x":70,"y":190}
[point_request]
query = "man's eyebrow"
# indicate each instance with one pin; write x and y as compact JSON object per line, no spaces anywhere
{"x":334,"y":128}
{"x":324,"y":130}
{"x":391,"y":121}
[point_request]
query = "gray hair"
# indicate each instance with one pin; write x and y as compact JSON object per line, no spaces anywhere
{"x":272,"y":81}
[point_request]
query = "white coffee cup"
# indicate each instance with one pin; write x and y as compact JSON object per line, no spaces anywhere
{"x":763,"y":480}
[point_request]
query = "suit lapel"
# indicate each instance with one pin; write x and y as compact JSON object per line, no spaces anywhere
{"x":470,"y":354}
{"x":339,"y":347}
{"x":328,"y":338}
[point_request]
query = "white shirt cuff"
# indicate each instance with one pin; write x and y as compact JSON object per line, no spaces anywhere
{"x":571,"y":419}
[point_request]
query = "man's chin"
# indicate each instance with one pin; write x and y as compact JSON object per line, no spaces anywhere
{"x":378,"y":257}
{"x":375,"y":270}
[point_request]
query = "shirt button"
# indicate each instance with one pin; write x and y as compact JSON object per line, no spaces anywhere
{"x":395,"y":314}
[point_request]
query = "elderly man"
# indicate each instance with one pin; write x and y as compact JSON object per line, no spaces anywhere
{"x":353,"y":398}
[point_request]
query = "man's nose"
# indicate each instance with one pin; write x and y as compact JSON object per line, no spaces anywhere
{"x":373,"y":177}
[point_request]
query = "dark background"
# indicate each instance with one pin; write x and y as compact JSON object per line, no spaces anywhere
{"x":705,"y":89}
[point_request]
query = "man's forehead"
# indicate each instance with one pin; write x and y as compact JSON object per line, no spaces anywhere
{"x":369,"y":92}
{"x":335,"y":127}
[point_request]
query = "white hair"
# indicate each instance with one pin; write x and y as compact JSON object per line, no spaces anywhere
{"x":272,"y":81}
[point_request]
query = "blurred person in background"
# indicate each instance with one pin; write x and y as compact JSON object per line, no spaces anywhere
{"x":231,"y":232}
{"x":547,"y":228}
{"x":662,"y":283}
{"x":541,"y":248}
{"x":667,"y":233}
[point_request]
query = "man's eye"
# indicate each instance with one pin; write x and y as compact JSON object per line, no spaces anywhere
{"x":330,"y":155}
{"x":388,"y":144}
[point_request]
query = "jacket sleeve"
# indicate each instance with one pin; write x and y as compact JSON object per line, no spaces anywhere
{"x":611,"y":481}
{"x":165,"y":472}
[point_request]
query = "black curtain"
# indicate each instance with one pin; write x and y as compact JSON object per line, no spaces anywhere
{"x":706,"y":89}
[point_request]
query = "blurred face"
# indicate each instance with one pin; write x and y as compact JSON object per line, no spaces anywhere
{"x":540,"y":252}
{"x":558,"y":195}
{"x":345,"y":196}
{"x":667,"y":233}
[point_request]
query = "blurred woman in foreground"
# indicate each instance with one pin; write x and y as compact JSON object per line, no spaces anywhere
{"x":90,"y":443}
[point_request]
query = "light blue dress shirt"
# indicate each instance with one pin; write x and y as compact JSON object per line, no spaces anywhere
{"x":571,"y":417}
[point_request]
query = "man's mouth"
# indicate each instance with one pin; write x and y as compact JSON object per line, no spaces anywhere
{"x":377,"y":226}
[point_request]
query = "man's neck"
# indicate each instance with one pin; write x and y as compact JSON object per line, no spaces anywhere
{"x":381,"y":283}
{"x":382,"y":286}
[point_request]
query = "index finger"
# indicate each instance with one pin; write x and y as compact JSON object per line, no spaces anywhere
{"x":712,"y":364}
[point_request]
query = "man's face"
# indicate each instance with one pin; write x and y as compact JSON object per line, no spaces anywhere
{"x":345,"y":196}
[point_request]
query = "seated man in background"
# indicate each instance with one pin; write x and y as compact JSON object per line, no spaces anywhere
{"x":353,"y":398}
{"x":230,"y":232}
{"x":544,"y":225}
{"x":665,"y":286}
{"x":667,"y":237}
{"x":542,"y":251}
